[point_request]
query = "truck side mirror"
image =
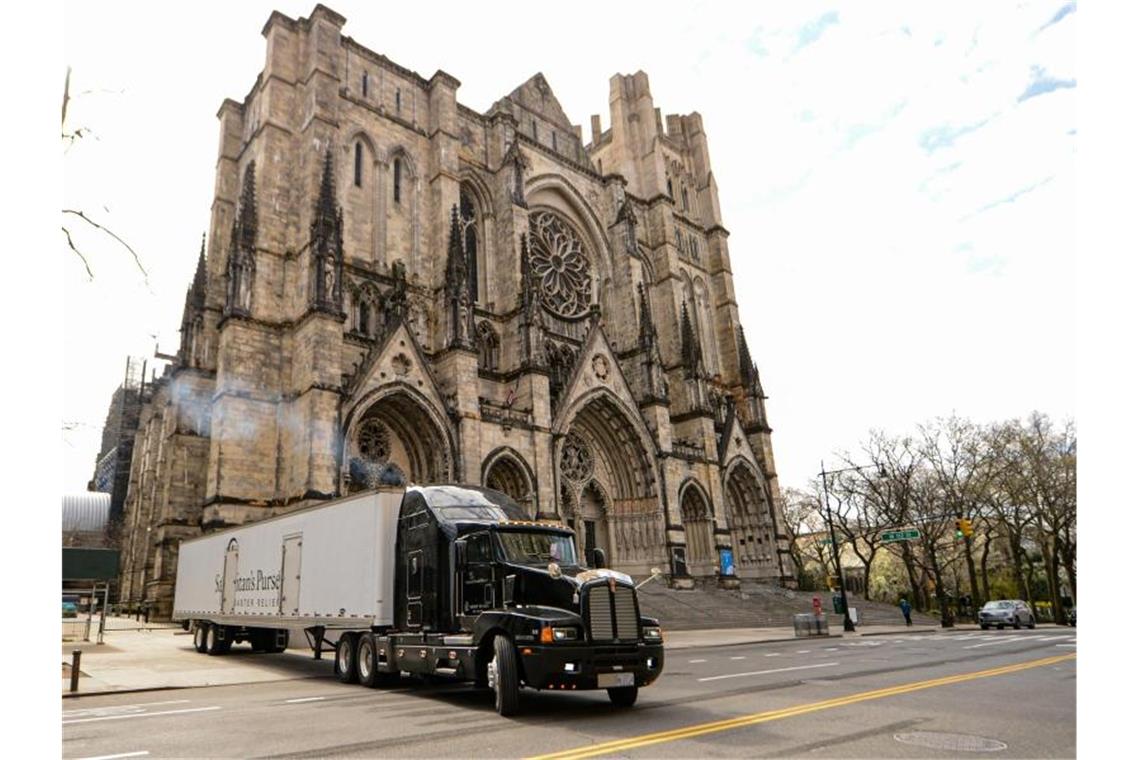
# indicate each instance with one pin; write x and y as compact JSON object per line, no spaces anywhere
{"x":599,"y":557}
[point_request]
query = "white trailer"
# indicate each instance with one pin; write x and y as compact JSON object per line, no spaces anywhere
{"x":330,"y":566}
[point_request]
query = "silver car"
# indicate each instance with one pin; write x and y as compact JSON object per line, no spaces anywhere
{"x":1012,"y":612}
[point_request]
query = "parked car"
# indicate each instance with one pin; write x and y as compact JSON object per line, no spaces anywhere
{"x":1012,"y":612}
{"x":70,"y":610}
{"x":1071,"y":618}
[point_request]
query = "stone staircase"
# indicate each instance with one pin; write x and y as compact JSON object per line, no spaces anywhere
{"x":754,"y":605}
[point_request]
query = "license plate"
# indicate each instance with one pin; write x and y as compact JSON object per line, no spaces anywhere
{"x":609,"y":680}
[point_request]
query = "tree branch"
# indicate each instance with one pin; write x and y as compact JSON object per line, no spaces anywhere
{"x":90,"y":274}
{"x":124,"y":243}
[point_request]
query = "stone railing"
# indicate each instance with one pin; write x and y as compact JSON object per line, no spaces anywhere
{"x":507,"y":416}
{"x":688,"y":450}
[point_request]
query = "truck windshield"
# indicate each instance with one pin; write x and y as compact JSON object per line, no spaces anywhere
{"x":534,"y":548}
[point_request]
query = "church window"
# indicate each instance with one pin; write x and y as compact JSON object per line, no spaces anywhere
{"x":397,"y":100}
{"x":553,"y":139}
{"x":468,"y":223}
{"x":364,"y":84}
{"x":561,"y":263}
{"x":680,"y":248}
{"x":669,"y":185}
{"x":396,"y":171}
{"x":685,"y":198}
{"x":358,"y":165}
{"x":534,"y":129}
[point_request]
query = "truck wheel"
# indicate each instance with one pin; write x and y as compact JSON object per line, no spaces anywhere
{"x":623,"y":696}
{"x":346,"y":658}
{"x":366,"y":661}
{"x":503,"y":677}
{"x":200,"y":637}
{"x":215,"y":640}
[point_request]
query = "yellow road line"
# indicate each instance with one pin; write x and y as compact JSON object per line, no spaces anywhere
{"x":699,"y":729}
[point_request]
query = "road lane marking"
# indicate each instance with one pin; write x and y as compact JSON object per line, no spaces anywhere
{"x":695,"y":661}
{"x":112,"y":757}
{"x":1065,"y":645}
{"x":772,"y":654}
{"x":766,"y":672}
{"x":1004,"y":640}
{"x":90,"y":710}
{"x":803,"y":651}
{"x":1054,"y":638}
{"x":736,"y":658}
{"x":303,"y":699}
{"x":700,"y":729}
{"x":143,"y":715}
{"x":831,"y":649}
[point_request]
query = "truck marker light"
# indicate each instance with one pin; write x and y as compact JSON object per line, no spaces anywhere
{"x":527,"y":650}
{"x":547,"y":636}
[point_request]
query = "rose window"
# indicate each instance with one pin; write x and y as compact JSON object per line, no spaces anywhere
{"x":577,"y":461}
{"x":373,"y":441}
{"x":557,"y":257}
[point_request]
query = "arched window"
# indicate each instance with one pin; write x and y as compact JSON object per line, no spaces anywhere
{"x":469,"y":227}
{"x":358,"y":164}
{"x":364,"y":84}
{"x":397,"y":168}
{"x":669,"y":184}
{"x":685,"y":198}
{"x":397,"y":100}
{"x":364,"y":317}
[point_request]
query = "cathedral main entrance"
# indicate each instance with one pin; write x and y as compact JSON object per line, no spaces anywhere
{"x":609,"y":487}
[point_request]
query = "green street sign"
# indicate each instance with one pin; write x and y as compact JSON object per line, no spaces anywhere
{"x":907,"y":534}
{"x":823,"y":541}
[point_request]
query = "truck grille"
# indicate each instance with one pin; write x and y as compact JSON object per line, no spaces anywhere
{"x":612,"y":616}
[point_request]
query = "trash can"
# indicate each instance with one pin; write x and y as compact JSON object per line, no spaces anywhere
{"x":807,"y":624}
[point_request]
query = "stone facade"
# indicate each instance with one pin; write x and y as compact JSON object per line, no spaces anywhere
{"x":395,"y":286}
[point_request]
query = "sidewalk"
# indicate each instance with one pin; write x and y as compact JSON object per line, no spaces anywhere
{"x":158,"y":656}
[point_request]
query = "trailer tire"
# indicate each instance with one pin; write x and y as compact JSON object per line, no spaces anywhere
{"x":623,"y":696}
{"x":367,"y":666}
{"x":200,"y":636}
{"x":215,"y":640}
{"x":503,"y":676}
{"x":345,"y":664}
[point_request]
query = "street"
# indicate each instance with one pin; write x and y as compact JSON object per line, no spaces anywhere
{"x":922,"y":695}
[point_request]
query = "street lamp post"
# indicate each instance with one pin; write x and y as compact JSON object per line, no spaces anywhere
{"x":848,"y":625}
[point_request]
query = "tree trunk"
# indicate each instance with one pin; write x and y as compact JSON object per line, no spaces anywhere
{"x":940,"y":589}
{"x":1053,"y":568}
{"x":916,"y":595}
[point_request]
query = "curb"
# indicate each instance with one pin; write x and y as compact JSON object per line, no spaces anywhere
{"x":140,"y":689}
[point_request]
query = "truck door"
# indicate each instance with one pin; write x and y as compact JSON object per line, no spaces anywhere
{"x":478,"y":584}
{"x":290,"y":603}
{"x":229,"y":576}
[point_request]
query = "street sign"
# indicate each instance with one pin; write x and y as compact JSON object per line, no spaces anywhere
{"x":904,"y":534}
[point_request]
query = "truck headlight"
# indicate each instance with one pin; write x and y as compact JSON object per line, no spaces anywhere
{"x":651,"y":633}
{"x":550,"y":635}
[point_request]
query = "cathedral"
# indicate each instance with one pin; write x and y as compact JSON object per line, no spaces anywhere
{"x":397,"y":288}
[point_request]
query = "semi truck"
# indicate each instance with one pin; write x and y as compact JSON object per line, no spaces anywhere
{"x":440,"y":581}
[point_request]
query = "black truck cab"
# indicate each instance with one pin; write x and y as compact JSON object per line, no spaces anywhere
{"x":509,"y":602}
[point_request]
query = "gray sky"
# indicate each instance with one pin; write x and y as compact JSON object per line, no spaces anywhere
{"x":898,"y":181}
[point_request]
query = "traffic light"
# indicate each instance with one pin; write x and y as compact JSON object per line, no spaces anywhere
{"x":960,"y":529}
{"x":966,"y":527}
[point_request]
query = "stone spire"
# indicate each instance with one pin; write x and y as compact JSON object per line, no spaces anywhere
{"x":690,"y":349}
{"x":749,"y":375}
{"x":648,"y":333}
{"x":195,"y":302}
{"x":196,"y":293}
{"x":461,"y":317}
{"x":247,"y":215}
{"x":326,"y":235}
{"x":241,"y":262}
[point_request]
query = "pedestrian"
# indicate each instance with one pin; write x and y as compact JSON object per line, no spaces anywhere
{"x":904,"y":605}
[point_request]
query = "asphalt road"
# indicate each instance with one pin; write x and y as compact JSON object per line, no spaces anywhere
{"x":945,"y":694}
